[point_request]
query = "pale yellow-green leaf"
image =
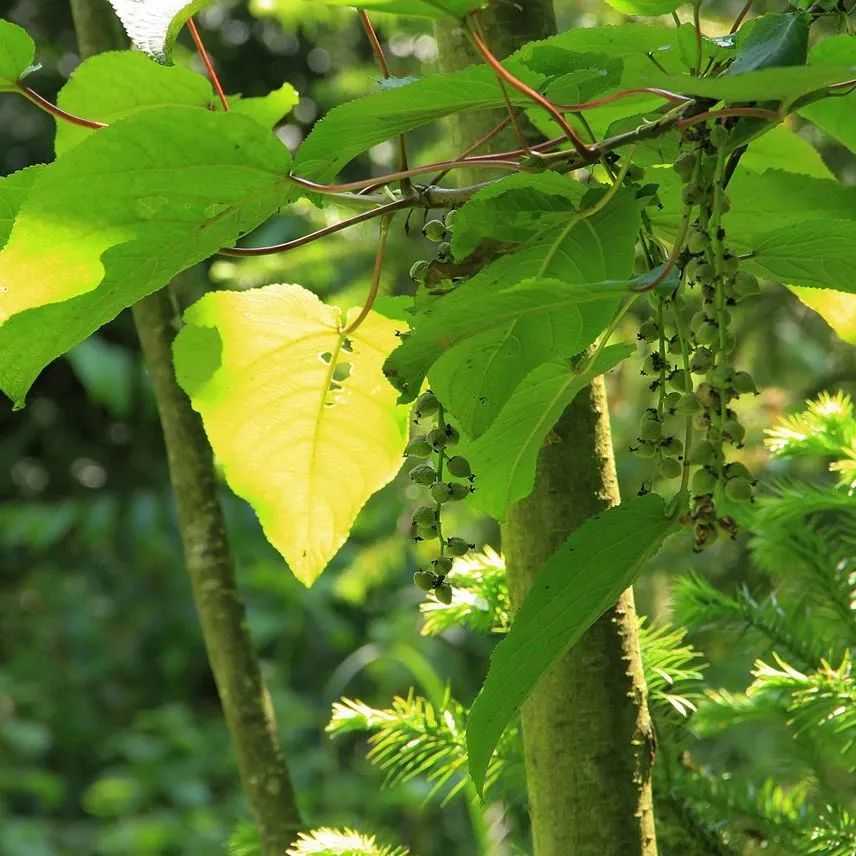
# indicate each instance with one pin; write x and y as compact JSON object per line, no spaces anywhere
{"x":837,"y":308}
{"x":304,"y":448}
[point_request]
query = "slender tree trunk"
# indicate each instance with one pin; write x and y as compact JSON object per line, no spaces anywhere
{"x":587,"y":733}
{"x":208,"y":557}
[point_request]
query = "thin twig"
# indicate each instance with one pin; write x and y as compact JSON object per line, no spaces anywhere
{"x":725,"y":112}
{"x":209,"y":65}
{"x":481,"y":141}
{"x":739,"y":19}
{"x":527,"y":90}
{"x":43,"y":104}
{"x":378,"y":270}
{"x":672,"y":97}
{"x":697,"y":25}
{"x":383,"y":211}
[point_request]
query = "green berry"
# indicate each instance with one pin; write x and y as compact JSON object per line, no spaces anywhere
{"x":649,"y":331}
{"x":459,"y":491}
{"x":418,"y":447}
{"x":744,"y":384}
{"x":434,"y":230}
{"x":704,"y":481}
{"x":670,"y":468}
{"x":707,"y":334}
{"x":697,"y":241}
{"x":425,"y":515}
{"x":672,"y":446}
{"x":646,"y":450}
{"x":738,"y":490}
{"x":675,"y":345}
{"x":680,"y":380}
{"x":734,"y":431}
{"x":701,"y":361}
{"x":746,"y":284}
{"x":692,"y":194}
{"x":671,"y":400}
{"x":736,"y":470}
{"x":443,"y":593}
{"x":650,"y":430}
{"x":424,"y":580}
{"x":441,"y":492}
{"x":705,"y":272}
{"x":428,"y":533}
{"x":458,"y":547}
{"x":424,"y":475}
{"x":718,"y":135}
{"x":419,"y":272}
{"x":730,"y":265}
{"x":452,"y":436}
{"x":427,"y":404}
{"x":707,"y":395}
{"x":703,"y":454}
{"x":688,"y":405}
{"x":721,"y":376}
{"x":459,"y":467}
{"x":685,"y":165}
{"x":437,"y":439}
{"x":442,"y":565}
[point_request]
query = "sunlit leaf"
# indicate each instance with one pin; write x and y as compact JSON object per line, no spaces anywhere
{"x":422,"y":8}
{"x":835,"y":307}
{"x":17,"y":53}
{"x":299,"y":415}
{"x":153,"y":25}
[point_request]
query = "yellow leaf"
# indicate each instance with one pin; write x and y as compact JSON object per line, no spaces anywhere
{"x":300,"y":416}
{"x":837,"y":308}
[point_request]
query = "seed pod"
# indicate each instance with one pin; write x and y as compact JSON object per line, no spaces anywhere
{"x":736,"y":470}
{"x":442,"y":565}
{"x":443,"y":593}
{"x":704,"y":481}
{"x":418,"y":447}
{"x":688,"y":405}
{"x":437,"y":439}
{"x":427,"y":404}
{"x":649,"y":331}
{"x":670,"y":468}
{"x":744,"y":384}
{"x":425,"y":515}
{"x":685,"y":165}
{"x":734,"y":431}
{"x":458,"y":547}
{"x":703,"y":454}
{"x":650,"y":430}
{"x":434,"y":230}
{"x":441,"y":492}
{"x":701,"y":361}
{"x":746,"y":284}
{"x":697,"y":241}
{"x":424,"y":580}
{"x":419,"y":272}
{"x":424,"y":475}
{"x":738,"y":490}
{"x":680,"y":380}
{"x":459,"y":491}
{"x":428,"y":533}
{"x":459,"y":467}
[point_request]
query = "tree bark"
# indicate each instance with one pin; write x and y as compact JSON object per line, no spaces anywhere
{"x":587,"y":733}
{"x":207,"y":553}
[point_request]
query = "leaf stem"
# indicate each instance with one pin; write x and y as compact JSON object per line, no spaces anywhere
{"x":378,"y":270}
{"x":739,"y":19}
{"x":207,"y":62}
{"x":43,"y":104}
{"x":581,"y":148}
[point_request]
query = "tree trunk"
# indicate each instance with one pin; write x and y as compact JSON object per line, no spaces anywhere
{"x":587,"y":734}
{"x":208,"y":557}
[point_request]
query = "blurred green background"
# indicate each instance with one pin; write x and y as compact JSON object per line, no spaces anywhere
{"x":111,"y":739}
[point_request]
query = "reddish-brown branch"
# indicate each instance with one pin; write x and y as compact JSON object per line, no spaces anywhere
{"x":43,"y":104}
{"x":378,"y":270}
{"x":739,"y":19}
{"x":382,"y":211}
{"x":672,"y":97}
{"x":726,"y":112}
{"x":581,"y":148}
{"x":206,"y":61}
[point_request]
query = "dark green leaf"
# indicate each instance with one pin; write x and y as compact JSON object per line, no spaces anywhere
{"x":582,"y":579}
{"x":772,"y":40}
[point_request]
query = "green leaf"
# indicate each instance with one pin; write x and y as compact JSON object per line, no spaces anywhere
{"x":17,"y":53}
{"x":502,"y":299}
{"x":836,"y":116}
{"x":767,"y":84}
{"x":352,"y":128}
{"x":782,"y":148}
{"x":772,"y":40}
{"x":817,"y":253}
{"x":505,"y":456}
{"x":154,"y":26}
{"x":421,"y":8}
{"x":268,"y":110}
{"x":299,"y":415}
{"x":645,"y":7}
{"x":515,"y":209}
{"x":120,"y":215}
{"x":111,"y":86}
{"x":582,"y":579}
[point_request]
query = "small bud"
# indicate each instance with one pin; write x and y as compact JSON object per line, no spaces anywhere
{"x":434,"y":230}
{"x":419,"y":272}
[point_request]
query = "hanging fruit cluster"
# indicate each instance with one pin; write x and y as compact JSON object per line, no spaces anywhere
{"x":694,"y":323}
{"x":434,"y":275}
{"x":434,"y":473}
